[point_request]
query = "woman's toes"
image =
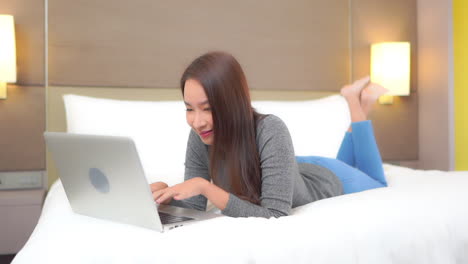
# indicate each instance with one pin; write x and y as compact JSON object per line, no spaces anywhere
{"x":362,"y":82}
{"x":370,"y":95}
{"x":372,"y":92}
{"x":355,"y":88}
{"x":344,"y":90}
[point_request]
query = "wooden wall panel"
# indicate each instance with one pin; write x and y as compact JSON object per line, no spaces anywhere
{"x":396,"y":126}
{"x":436,"y":84}
{"x":382,"y":21}
{"x":22,"y":124}
{"x":22,"y":114}
{"x":29,"y":30}
{"x":396,"y":129}
{"x":298,"y":44}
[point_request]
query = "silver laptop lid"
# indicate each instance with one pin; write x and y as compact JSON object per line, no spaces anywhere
{"x":103,"y":177}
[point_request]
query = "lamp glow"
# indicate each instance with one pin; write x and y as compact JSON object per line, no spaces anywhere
{"x":7,"y":53}
{"x":390,"y":67}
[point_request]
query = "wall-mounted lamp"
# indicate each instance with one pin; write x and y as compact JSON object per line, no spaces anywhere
{"x":390,"y":67}
{"x":7,"y":53}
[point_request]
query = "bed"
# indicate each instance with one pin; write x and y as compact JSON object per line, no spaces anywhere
{"x":420,"y":218}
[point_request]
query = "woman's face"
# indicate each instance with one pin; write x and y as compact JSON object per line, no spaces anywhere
{"x":198,"y":114}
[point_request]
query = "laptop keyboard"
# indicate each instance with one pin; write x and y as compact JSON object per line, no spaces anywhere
{"x":170,"y":219}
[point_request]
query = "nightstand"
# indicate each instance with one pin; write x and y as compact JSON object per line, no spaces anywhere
{"x":19,"y":212}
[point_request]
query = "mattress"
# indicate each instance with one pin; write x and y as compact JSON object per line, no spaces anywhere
{"x":422,"y":217}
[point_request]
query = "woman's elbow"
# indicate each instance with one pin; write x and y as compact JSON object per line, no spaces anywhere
{"x":278,"y":213}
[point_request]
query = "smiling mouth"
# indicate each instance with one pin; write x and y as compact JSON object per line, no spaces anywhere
{"x":205,"y":134}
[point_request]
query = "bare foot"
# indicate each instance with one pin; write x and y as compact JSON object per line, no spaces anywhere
{"x":369,"y":96}
{"x":354,"y":89}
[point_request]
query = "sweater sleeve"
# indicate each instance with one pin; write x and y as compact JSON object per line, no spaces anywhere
{"x":196,"y":165}
{"x":278,"y":167}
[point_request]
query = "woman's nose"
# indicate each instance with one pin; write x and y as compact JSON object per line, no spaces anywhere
{"x":199,"y":121}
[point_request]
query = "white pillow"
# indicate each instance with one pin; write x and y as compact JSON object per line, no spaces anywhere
{"x":160,"y":131}
{"x":317,"y":127}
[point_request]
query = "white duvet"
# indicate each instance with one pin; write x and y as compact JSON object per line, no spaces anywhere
{"x":422,"y":217}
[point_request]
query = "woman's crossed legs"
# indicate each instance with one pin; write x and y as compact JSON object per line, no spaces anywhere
{"x":358,"y":164}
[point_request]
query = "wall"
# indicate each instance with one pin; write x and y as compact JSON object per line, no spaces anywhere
{"x":382,"y":21}
{"x":22,"y":114}
{"x":435,"y":84}
{"x":298,"y":45}
{"x":460,"y":32}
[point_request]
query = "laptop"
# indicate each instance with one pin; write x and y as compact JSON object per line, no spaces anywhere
{"x":103,"y":178}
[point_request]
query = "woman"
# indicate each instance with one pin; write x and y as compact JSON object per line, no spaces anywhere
{"x":249,"y":157}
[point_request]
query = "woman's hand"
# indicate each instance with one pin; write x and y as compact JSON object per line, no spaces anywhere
{"x":156,"y":186}
{"x":184,"y":190}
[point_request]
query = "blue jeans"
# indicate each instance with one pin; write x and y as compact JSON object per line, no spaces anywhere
{"x":358,"y":164}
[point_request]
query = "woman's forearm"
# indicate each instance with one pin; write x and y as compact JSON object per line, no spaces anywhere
{"x":239,"y":207}
{"x":216,"y":195}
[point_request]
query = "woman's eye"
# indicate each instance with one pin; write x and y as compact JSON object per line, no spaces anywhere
{"x":207,"y":109}
{"x":188,"y":110}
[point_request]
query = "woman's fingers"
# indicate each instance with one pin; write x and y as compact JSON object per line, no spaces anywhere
{"x":163,"y":195}
{"x":179,"y":191}
{"x":154,"y":187}
{"x":156,"y":194}
{"x":157,"y":186}
{"x":180,"y":196}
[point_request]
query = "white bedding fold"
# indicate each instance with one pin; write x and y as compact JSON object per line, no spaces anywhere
{"x":421,"y":218}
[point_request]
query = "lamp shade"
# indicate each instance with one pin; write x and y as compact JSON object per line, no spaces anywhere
{"x":390,"y":66}
{"x":7,"y":49}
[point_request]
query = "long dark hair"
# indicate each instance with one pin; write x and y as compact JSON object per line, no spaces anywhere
{"x":234,"y":122}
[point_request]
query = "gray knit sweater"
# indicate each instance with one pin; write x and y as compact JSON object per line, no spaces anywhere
{"x":285,"y":183}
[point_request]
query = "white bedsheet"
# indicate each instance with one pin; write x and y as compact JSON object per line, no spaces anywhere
{"x":421,"y":218}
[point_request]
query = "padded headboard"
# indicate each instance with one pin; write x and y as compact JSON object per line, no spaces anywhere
{"x":56,"y":117}
{"x":392,"y":147}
